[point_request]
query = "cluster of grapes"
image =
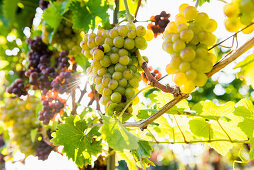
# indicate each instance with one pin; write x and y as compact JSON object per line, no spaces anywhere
{"x":66,"y":38}
{"x":52,"y":104}
{"x":44,"y":4}
{"x":20,"y":116}
{"x":115,"y":69}
{"x":187,"y":40}
{"x":18,"y":88}
{"x":156,"y":74}
{"x":239,"y":13}
{"x":160,"y":23}
{"x":39,"y":71}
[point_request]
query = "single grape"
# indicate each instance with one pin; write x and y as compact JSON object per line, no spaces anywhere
{"x":117,"y":75}
{"x":118,"y":42}
{"x":140,"y":43}
{"x":140,"y":31}
{"x":124,"y":60}
{"x":129,"y":43}
{"x":190,"y":13}
{"x":116,"y":97}
{"x":114,"y":58}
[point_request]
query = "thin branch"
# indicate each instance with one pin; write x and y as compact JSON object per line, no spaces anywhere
{"x":224,"y":130}
{"x":136,"y":13}
{"x":236,"y":53}
{"x":230,"y":36}
{"x":73,"y":100}
{"x":97,"y":98}
{"x":115,"y":18}
{"x":83,"y":92}
{"x":197,"y":2}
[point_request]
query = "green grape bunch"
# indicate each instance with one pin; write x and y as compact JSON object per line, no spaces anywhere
{"x":20,"y":117}
{"x":187,"y":40}
{"x":114,"y":68}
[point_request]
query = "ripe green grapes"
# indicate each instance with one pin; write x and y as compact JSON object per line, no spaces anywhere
{"x":67,"y":39}
{"x":188,"y":39}
{"x":239,"y":13}
{"x":20,"y":117}
{"x":114,"y":68}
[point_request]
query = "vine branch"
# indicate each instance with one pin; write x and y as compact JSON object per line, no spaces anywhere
{"x":115,"y":18}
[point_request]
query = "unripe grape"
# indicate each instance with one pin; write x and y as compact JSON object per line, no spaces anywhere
{"x":182,"y":7}
{"x":140,"y":43}
{"x":186,"y":35}
{"x":191,"y":74}
{"x":184,"y":66}
{"x":105,"y":61}
{"x":178,"y":45}
{"x":129,"y":43}
{"x":231,"y":10}
{"x":180,"y":19}
{"x":190,"y":13}
{"x":169,"y":48}
{"x":202,"y":19}
{"x":113,"y":33}
{"x":117,"y":75}
{"x":188,"y":87}
{"x":201,"y":79}
{"x":124,"y":60}
{"x":134,"y":82}
{"x":149,"y":35}
{"x":114,"y":57}
{"x":120,"y":90}
{"x":182,"y":27}
{"x":187,"y":54}
{"x":108,"y":41}
{"x":123,"y":52}
{"x":116,"y":97}
{"x":107,"y":91}
{"x":175,"y":62}
{"x":112,"y":84}
{"x":211,"y":26}
{"x":179,"y":78}
{"x":118,"y":42}
{"x":99,"y":40}
{"x":123,"y":82}
{"x":129,"y":92}
{"x":170,"y":69}
{"x":140,"y":31}
{"x":123,"y":30}
{"x":132,"y":34}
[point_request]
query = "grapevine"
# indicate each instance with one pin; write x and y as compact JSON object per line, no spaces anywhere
{"x":76,"y":82}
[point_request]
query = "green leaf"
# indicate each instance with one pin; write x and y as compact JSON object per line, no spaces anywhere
{"x":88,"y":15}
{"x":247,"y":72}
{"x":200,"y":128}
{"x":244,"y":108}
{"x":247,"y":127}
{"x":33,"y":134}
{"x":143,"y":114}
{"x":144,"y":148}
{"x":9,"y":9}
{"x":210,"y":110}
{"x":252,"y":153}
{"x":128,"y":158}
{"x":161,"y":99}
{"x":82,"y":61}
{"x":201,"y":2}
{"x":53,"y":14}
{"x":78,"y":140}
{"x":117,"y":136}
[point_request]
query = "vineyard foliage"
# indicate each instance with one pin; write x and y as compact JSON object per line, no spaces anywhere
{"x":71,"y":76}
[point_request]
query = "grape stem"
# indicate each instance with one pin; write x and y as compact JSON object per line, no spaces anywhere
{"x":115,"y":18}
{"x":136,"y":13}
{"x":154,"y":82}
{"x":197,"y":2}
{"x":128,"y":14}
{"x":230,"y":37}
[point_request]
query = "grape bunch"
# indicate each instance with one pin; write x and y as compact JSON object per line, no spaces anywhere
{"x":239,"y":13}
{"x":20,"y":117}
{"x":39,"y":71}
{"x":18,"y":88}
{"x":160,"y":23}
{"x":52,"y":105}
{"x":66,"y":38}
{"x":43,"y":149}
{"x":188,"y":40}
{"x":114,"y":68}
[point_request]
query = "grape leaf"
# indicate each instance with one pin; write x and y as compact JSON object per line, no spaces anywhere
{"x":164,"y":128}
{"x":53,"y":15}
{"x":132,"y":4}
{"x":143,"y":114}
{"x":201,"y":128}
{"x":128,"y":158}
{"x":78,"y":140}
{"x":144,"y":148}
{"x":247,"y":126}
{"x":117,"y":136}
{"x":201,"y":2}
{"x":9,"y":9}
{"x":252,"y":153}
{"x":247,"y":72}
{"x":244,"y":108}
{"x":163,"y":98}
{"x":88,"y":15}
{"x":210,"y":110}
{"x":82,"y":61}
